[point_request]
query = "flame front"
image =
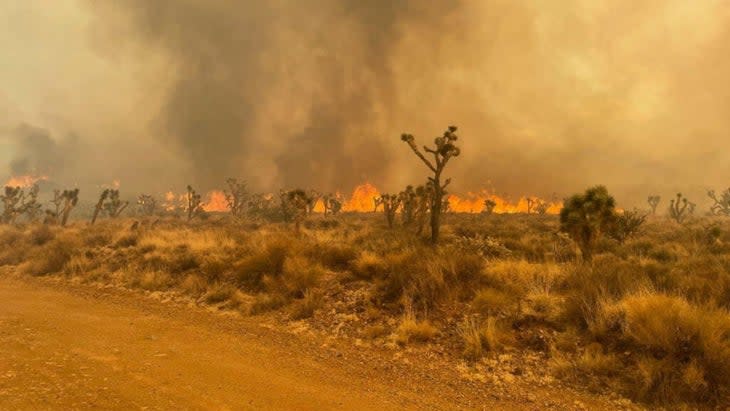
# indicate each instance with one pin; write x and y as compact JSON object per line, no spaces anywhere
{"x":362,"y":199}
{"x":474,"y":203}
{"x":24,"y":181}
{"x":216,"y":202}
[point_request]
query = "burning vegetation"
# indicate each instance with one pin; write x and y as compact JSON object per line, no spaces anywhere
{"x":631,"y":301}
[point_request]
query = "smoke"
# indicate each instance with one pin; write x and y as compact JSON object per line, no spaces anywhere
{"x":548,"y":98}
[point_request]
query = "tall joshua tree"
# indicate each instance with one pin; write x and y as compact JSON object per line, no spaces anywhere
{"x":237,"y":197}
{"x":194,"y":203}
{"x":680,"y":208}
{"x":444,"y":149}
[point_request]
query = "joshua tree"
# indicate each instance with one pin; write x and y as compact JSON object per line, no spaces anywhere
{"x":530,"y":204}
{"x":193,"y":204}
{"x":237,"y":197}
{"x":114,"y":206}
{"x":110,"y":204}
{"x":424,"y":193}
{"x":31,"y":206}
{"x":332,"y":205}
{"x":721,"y":205}
{"x":444,"y":149}
{"x":64,"y":202}
{"x":585,"y":217}
{"x":146,"y":204}
{"x":390,"y":202}
{"x":409,"y":203}
{"x":680,"y":208}
{"x":260,"y":205}
{"x":12,"y":203}
{"x":294,"y":207}
{"x":489,"y":206}
{"x":653,"y":203}
{"x":627,"y":225}
{"x":99,"y":205}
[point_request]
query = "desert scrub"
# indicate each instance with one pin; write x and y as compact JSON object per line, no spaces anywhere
{"x":479,"y":337}
{"x":679,"y":351}
{"x":413,"y":330}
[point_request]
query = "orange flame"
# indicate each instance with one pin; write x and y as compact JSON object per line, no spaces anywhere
{"x":216,"y":202}
{"x":362,"y":199}
{"x":24,"y":181}
{"x":474,"y":203}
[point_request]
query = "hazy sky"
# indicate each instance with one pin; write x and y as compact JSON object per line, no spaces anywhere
{"x":549,"y":96}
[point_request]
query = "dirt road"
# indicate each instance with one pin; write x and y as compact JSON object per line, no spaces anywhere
{"x":65,"y":347}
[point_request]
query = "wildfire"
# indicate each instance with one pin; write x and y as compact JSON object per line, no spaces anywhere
{"x":362,"y":199}
{"x":215,"y":201}
{"x":363,"y":196}
{"x":474,"y":203}
{"x":24,"y":181}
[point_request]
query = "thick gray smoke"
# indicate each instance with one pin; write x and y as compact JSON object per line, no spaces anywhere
{"x":549,"y":98}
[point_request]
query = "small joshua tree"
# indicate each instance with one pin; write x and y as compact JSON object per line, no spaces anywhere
{"x":489,"y":206}
{"x":390,"y":202}
{"x":12,"y":203}
{"x":193,"y":204}
{"x":680,"y":208}
{"x":294,"y":207}
{"x":585,"y":217}
{"x":31,"y":206}
{"x":332,"y":205}
{"x":653,"y":203}
{"x":110,"y":204}
{"x":444,"y":149}
{"x":237,"y":197}
{"x":114,"y":205}
{"x":530,"y":204}
{"x":721,"y":204}
{"x":626,"y":225}
{"x":64,"y":202}
{"x":146,"y":204}
{"x":409,"y":203}
{"x":424,"y":194}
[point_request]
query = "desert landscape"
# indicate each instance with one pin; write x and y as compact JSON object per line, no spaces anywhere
{"x":347,"y":204}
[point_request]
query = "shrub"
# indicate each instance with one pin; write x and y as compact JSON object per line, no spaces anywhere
{"x":585,"y":217}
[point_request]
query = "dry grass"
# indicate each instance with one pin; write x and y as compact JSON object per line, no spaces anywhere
{"x":648,"y":317}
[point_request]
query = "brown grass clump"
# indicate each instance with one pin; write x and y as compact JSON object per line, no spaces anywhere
{"x":480,"y":337}
{"x":413,"y":330}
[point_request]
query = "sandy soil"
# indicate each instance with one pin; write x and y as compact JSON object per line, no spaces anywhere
{"x":69,"y":347}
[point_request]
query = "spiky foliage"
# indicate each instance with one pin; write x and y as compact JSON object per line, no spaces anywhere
{"x":489,"y":206}
{"x":721,"y":204}
{"x":237,"y":197}
{"x":193,"y":204}
{"x":680,"y":208}
{"x":391,"y":203}
{"x":294,"y":207}
{"x":627,"y":224}
{"x":444,"y":150}
{"x":585,"y":217}
{"x":332,"y":205}
{"x":424,"y":195}
{"x":409,"y":202}
{"x":146,"y":204}
{"x":653,"y":203}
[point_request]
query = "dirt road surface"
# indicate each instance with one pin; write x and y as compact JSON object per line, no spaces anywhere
{"x":78,"y":347}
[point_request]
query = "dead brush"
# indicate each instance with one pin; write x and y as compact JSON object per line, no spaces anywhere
{"x":480,"y":337}
{"x":413,"y":330}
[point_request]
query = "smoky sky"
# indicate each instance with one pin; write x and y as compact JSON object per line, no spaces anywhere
{"x":549,"y":97}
